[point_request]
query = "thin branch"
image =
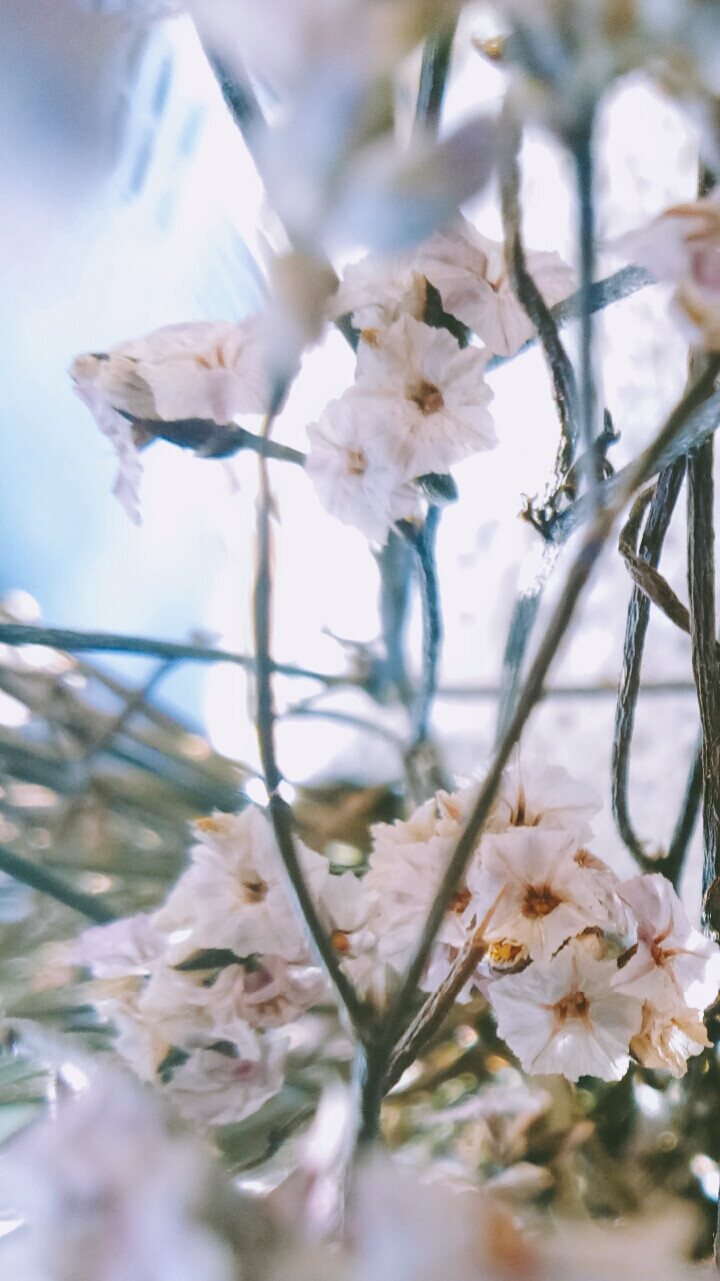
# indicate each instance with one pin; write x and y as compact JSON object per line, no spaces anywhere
{"x":582,"y":155}
{"x":685,"y":825}
{"x":344,"y":718}
{"x":437,"y":56}
{"x":601,"y":294}
{"x":638,"y":618}
{"x":706,"y":670}
{"x":209,"y":440}
{"x":109,"y":642}
{"x":280,"y":812}
{"x":592,"y":545}
{"x":431,"y":1014}
{"x":561,"y":371}
{"x":42,"y":879}
{"x":394,"y":564}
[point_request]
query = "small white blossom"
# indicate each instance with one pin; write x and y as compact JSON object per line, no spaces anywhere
{"x":535,"y":893}
{"x":377,"y":291}
{"x":215,"y":1087}
{"x":349,"y":908}
{"x":120,"y":948}
{"x":267,"y":994}
{"x":683,"y":246}
{"x":433,"y":394}
{"x":207,"y":369}
{"x":109,"y":1194}
{"x":469,"y":272}
{"x":353,"y":468}
{"x":235,"y":893}
{"x":669,"y":1037}
{"x":534,"y":794}
{"x":671,"y":961}
{"x":119,"y":432}
{"x":563,"y":1016}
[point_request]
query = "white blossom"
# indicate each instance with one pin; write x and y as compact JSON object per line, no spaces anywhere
{"x":120,"y":434}
{"x":109,"y":1194}
{"x":683,"y":246}
{"x":354,"y":468}
{"x":219,"y":1087}
{"x":349,"y":908}
{"x":470,"y":274}
{"x":235,"y":893}
{"x":535,"y":794}
{"x":671,"y":962}
{"x":563,"y":1016}
{"x":433,"y":395}
{"x":205,"y":369}
{"x":377,"y":291}
{"x":535,"y":893}
{"x":268,"y":993}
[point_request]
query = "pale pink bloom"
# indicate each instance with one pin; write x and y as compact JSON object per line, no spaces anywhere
{"x":354,"y":469}
{"x":109,"y":1194}
{"x":563,"y":1016}
{"x":669,"y":1037}
{"x":235,"y":893}
{"x":469,"y":272}
{"x":169,"y":1011}
{"x":206,"y":369}
{"x":534,"y":891}
{"x":217,"y":1088}
{"x":128,"y":946}
{"x":349,"y":909}
{"x":535,"y":794}
{"x":377,"y":291}
{"x":268,"y":993}
{"x":671,"y":962}
{"x":404,"y":875}
{"x":683,"y":246}
{"x":119,"y":432}
{"x":431,"y":393}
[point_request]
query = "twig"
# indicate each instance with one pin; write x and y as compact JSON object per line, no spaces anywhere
{"x":423,"y":543}
{"x":701,"y":584}
{"x":109,"y":642}
{"x":436,"y":59}
{"x":394,"y":563}
{"x":280,"y":813}
{"x":344,"y":718}
{"x":212,"y":441}
{"x":638,"y":617}
{"x":685,"y":825}
{"x":525,"y":612}
{"x":40,"y":878}
{"x":431,"y":1014}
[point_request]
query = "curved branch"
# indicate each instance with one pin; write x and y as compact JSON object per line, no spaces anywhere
{"x":47,"y":882}
{"x":662,"y":505}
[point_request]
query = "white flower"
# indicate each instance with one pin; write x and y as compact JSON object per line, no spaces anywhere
{"x":534,"y":794}
{"x":433,"y":394}
{"x":354,"y":470}
{"x":563,"y":1016}
{"x":215,"y":1087}
{"x":127,"y":946}
{"x":469,"y":272}
{"x":235,"y":893}
{"x":349,"y":908}
{"x":377,"y":291}
{"x":407,"y":864}
{"x":683,"y":245}
{"x":268,"y":993}
{"x":109,"y":1195}
{"x":671,"y":961}
{"x":534,"y":890}
{"x":119,"y":432}
{"x":668,"y":1038}
{"x":169,"y":1012}
{"x":207,"y":369}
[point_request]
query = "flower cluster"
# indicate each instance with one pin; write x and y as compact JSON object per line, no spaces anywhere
{"x":199,"y":990}
{"x":582,"y":970}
